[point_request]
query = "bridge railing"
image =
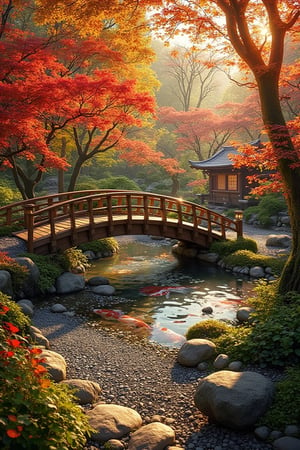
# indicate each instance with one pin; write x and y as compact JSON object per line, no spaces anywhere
{"x":15,"y":212}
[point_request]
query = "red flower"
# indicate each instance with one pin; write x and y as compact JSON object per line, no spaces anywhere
{"x":3,"y":309}
{"x":14,"y":433}
{"x":35,"y":351}
{"x":39,"y":370}
{"x":10,"y":327}
{"x":12,"y":418}
{"x":7,"y":354}
{"x":14,"y":343}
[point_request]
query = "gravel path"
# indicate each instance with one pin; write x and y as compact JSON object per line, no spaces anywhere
{"x":260,"y":235}
{"x":142,"y":376}
{"x":12,"y":245}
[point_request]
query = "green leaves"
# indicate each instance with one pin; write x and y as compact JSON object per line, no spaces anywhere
{"x":286,"y":405}
{"x":35,"y":413}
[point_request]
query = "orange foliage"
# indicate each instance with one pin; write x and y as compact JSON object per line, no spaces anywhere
{"x":78,"y":73}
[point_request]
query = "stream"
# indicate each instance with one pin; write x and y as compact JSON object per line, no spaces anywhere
{"x":166,"y":293}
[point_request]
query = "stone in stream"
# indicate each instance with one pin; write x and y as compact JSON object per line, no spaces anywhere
{"x":69,"y":282}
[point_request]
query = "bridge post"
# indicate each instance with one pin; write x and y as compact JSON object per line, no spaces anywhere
{"x":238,"y":215}
{"x":29,"y":223}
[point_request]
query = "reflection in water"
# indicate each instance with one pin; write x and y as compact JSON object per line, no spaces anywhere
{"x":146,"y":272}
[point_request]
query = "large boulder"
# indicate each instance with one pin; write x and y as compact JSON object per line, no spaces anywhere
{"x":286,"y":443}
{"x":38,"y":337}
{"x":69,"y":282}
{"x":26,"y":306}
{"x":30,"y":285}
{"x":5,"y":283}
{"x":154,"y":436}
{"x":113,"y":421}
{"x":85,"y":391}
{"x":243,"y":313}
{"x":195,"y":351}
{"x":55,"y":364}
{"x":280,"y":240}
{"x":234,"y":399}
{"x":256,"y":272}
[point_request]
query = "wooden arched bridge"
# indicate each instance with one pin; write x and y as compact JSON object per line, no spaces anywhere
{"x":59,"y":221}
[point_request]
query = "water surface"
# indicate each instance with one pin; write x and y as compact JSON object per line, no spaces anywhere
{"x":144,"y":264}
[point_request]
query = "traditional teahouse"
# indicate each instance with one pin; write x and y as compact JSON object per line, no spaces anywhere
{"x":227,"y":185}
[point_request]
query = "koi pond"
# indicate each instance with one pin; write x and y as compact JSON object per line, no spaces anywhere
{"x":165,"y":295}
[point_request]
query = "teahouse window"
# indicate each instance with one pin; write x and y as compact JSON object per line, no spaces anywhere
{"x":225,"y":182}
{"x":232,"y":183}
{"x":221,"y":182}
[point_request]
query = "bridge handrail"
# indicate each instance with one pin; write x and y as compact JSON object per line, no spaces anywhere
{"x":9,"y":213}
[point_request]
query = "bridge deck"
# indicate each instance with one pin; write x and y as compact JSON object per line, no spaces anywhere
{"x":45,"y":243}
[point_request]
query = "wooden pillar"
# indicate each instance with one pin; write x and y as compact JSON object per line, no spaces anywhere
{"x":238,"y":215}
{"x":29,"y":224}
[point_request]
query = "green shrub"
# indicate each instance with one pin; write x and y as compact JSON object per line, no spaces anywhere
{"x":270,"y":205}
{"x":285,"y":409}
{"x":8,"y":195}
{"x":17,"y":272}
{"x":224,"y":248}
{"x":230,"y":342}
{"x":273,"y":339}
{"x":229,"y":213}
{"x":249,"y":212}
{"x":72,"y":258}
{"x":208,"y":329}
{"x":86,"y":183}
{"x":7,"y":230}
{"x":36,"y":414}
{"x":119,"y":182}
{"x":14,"y":315}
{"x":246,"y":258}
{"x":101,"y":245}
{"x":49,"y":269}
{"x":226,"y":337}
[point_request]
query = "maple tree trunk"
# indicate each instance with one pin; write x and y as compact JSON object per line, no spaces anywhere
{"x":75,"y":173}
{"x":175,"y":185}
{"x":61,"y":172}
{"x":282,"y":144}
{"x":24,"y":184}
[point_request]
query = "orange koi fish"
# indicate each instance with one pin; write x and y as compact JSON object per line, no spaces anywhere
{"x":109,"y":314}
{"x":133,"y":322}
{"x":159,"y":291}
{"x":117,"y":314}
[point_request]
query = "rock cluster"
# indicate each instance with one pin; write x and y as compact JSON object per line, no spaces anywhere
{"x":280,"y":242}
{"x":111,"y":422}
{"x":66,"y":283}
{"x":281,"y":220}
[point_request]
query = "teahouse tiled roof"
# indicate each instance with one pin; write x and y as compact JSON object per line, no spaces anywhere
{"x":219,"y":159}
